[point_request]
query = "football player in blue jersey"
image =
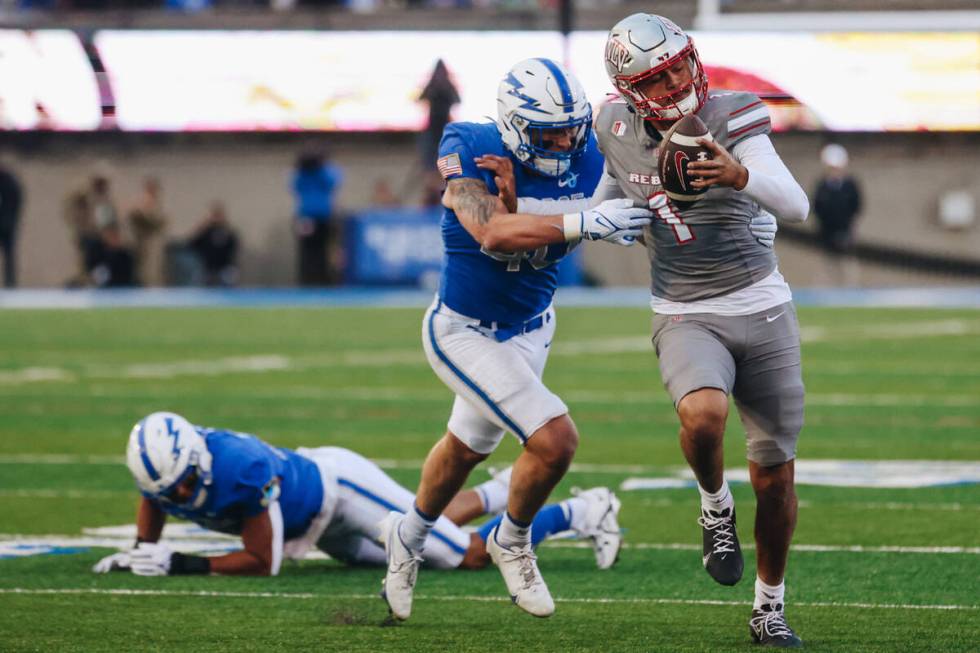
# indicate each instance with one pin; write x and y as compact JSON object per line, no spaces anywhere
{"x":487,"y":333}
{"x":283,"y":503}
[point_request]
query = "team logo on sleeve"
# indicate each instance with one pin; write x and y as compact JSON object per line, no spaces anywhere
{"x":619,"y":128}
{"x":449,"y":165}
{"x":270,"y":493}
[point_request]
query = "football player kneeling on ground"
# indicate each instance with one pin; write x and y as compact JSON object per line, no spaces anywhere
{"x":284,"y":502}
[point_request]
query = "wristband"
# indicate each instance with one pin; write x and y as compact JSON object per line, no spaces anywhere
{"x":183,"y":564}
{"x":573,"y":226}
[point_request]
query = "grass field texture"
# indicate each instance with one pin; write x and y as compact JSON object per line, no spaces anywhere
{"x":870,"y":573}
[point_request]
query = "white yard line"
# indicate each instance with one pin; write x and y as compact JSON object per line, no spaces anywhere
{"x":307,"y":596}
{"x":801,"y":548}
{"x":59,"y":459}
{"x":209,"y":539}
{"x":654,"y":396}
{"x":385,"y":463}
{"x":805,"y":504}
{"x":63,"y":494}
{"x":374,"y":358}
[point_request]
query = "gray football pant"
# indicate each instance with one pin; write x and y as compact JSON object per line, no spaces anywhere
{"x":755,"y":358}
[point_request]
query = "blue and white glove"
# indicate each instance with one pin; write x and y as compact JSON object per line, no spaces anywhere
{"x":150,"y":559}
{"x":763,"y":228}
{"x":116,"y":562}
{"x":617,"y":221}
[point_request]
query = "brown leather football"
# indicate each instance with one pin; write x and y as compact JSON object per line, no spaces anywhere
{"x":679,"y":147}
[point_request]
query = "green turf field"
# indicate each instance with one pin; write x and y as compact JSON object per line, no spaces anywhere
{"x":870,"y":574}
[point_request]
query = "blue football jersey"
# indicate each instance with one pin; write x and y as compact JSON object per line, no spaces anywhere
{"x":509,"y":287}
{"x":246,"y":476}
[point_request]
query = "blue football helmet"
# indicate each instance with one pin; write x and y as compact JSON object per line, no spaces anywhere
{"x":536,"y":96}
{"x":164,"y":450}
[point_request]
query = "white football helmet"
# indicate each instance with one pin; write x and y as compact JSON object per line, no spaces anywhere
{"x":642,"y":45}
{"x":164,"y":449}
{"x":537,"y":95}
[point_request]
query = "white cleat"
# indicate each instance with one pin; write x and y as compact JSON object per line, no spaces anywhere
{"x":602,"y":524}
{"x":403,"y":568}
{"x":519,"y":568}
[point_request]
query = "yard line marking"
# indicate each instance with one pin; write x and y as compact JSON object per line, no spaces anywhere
{"x":622,"y":345}
{"x":63,"y":494}
{"x":209,"y":540}
{"x":33,"y":374}
{"x":481,"y":599}
{"x":384,"y":463}
{"x":373,"y":358}
{"x":807,"y":548}
{"x":59,"y":459}
{"x":653,"y":397}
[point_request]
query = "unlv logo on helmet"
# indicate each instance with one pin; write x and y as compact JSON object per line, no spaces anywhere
{"x":618,"y":54}
{"x":671,"y":25}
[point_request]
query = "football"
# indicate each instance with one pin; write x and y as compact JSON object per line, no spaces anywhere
{"x":679,"y":147}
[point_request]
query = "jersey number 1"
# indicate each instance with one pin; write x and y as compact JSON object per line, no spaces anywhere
{"x":668,"y":214}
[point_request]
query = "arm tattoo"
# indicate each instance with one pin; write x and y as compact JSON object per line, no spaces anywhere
{"x":472,"y":200}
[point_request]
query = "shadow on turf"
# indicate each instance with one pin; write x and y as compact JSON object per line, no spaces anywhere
{"x":351,"y":617}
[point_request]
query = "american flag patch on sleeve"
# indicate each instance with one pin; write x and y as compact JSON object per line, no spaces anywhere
{"x":449,"y":165}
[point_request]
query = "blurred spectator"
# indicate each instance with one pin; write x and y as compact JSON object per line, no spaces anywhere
{"x":11,"y":196}
{"x":441,"y":95}
{"x":104,"y":211}
{"x":382,"y":195}
{"x":113,"y":263}
{"x":315,"y":184}
{"x":146,"y":223}
{"x":837,"y":203}
{"x":216,"y":245}
{"x":432,"y":188}
{"x":89,"y":211}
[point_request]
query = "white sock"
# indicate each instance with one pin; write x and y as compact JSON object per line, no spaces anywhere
{"x":574,"y":509}
{"x":717,"y":501}
{"x":511,"y":535}
{"x":414,"y":529}
{"x":768,"y":594}
{"x":493,"y":493}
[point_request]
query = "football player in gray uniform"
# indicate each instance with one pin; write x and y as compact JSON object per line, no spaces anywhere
{"x":724,"y":322}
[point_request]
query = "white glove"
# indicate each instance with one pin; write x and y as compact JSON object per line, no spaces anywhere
{"x":617,"y":221}
{"x":763,"y":227}
{"x":150,"y":559}
{"x":116,"y":562}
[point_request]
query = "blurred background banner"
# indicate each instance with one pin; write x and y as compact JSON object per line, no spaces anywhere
{"x":249,"y":143}
{"x":404,"y":247}
{"x":370,"y":81}
{"x":46,"y":82}
{"x":394,"y":247}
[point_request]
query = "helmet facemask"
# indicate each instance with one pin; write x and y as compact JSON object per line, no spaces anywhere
{"x":536,"y":148}
{"x":642,"y":46}
{"x":672,"y":106}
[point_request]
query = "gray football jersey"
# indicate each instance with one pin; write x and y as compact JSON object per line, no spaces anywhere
{"x":709,"y":251}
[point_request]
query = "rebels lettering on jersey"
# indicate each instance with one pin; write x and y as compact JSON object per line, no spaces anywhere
{"x":507,"y":287}
{"x":705,"y":249}
{"x":247,"y":475}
